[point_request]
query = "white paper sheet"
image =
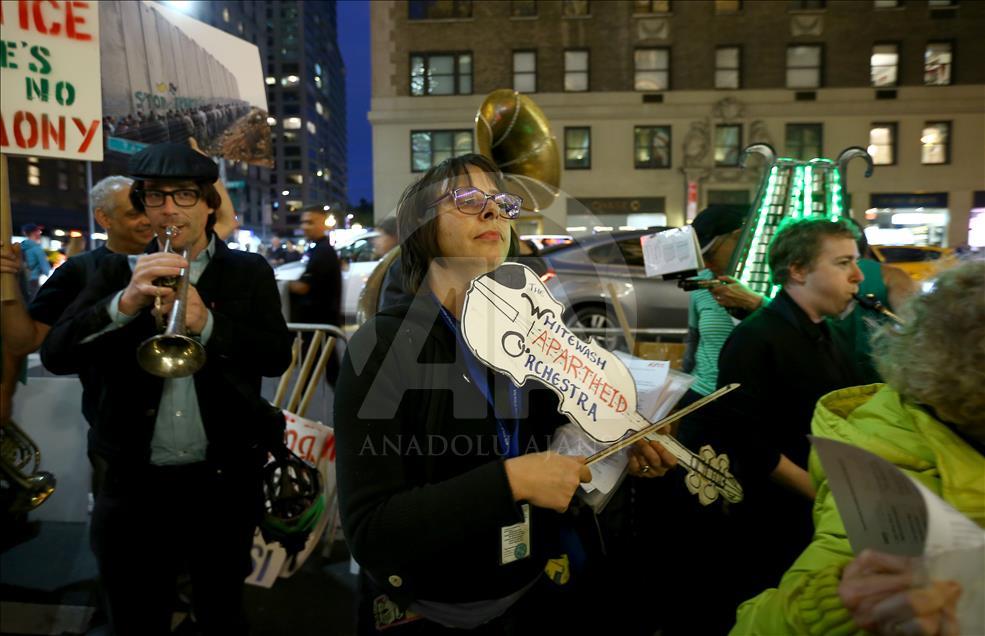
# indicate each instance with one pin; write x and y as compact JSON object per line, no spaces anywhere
{"x":672,"y":251}
{"x":884,"y":509}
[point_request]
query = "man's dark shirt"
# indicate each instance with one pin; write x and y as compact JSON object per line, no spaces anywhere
{"x":784,"y":362}
{"x":322,"y":303}
{"x":65,"y":284}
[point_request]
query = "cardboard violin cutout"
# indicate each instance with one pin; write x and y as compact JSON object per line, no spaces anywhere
{"x":512,"y":323}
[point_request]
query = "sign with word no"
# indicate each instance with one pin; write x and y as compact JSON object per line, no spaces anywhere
{"x":51,"y":97}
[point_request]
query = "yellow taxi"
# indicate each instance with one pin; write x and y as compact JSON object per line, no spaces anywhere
{"x":919,"y":261}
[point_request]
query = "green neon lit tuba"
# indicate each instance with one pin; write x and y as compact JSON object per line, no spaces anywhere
{"x":790,"y":188}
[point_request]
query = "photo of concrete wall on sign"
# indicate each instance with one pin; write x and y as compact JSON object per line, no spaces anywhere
{"x":161,"y":82}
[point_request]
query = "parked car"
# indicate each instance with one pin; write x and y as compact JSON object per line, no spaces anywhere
{"x":579,"y":275}
{"x":919,"y":261}
{"x":358,"y":262}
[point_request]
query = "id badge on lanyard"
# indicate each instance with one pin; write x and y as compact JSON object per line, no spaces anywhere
{"x":514,"y":540}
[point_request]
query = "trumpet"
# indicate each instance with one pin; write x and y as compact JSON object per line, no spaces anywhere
{"x":173,"y":354}
{"x":29,"y":487}
{"x":870,"y":302}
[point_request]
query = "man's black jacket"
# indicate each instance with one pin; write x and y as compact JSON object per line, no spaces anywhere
{"x":249,"y":340}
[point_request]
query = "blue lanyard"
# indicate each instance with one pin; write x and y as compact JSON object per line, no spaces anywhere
{"x":509,"y":442}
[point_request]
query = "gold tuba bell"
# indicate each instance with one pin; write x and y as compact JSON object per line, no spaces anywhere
{"x":513,"y":131}
{"x":20,"y":461}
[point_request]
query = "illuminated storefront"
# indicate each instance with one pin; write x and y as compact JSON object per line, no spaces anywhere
{"x":908,"y":219}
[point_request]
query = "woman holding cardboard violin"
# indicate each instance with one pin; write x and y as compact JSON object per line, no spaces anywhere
{"x":450,"y":500}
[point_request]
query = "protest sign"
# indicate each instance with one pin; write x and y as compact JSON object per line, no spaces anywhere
{"x":50,"y":99}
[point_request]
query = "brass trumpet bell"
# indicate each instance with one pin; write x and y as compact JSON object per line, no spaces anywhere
{"x":513,"y":131}
{"x":171,"y":355}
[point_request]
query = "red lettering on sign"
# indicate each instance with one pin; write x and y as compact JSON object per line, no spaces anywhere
{"x":93,"y":127}
{"x":19,"y":118}
{"x":31,"y":17}
{"x":27,"y":132}
{"x":49,"y":133}
{"x":71,"y":20}
{"x":305,"y":444}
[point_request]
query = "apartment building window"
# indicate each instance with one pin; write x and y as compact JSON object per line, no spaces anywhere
{"x":882,"y":143}
{"x":575,"y":8}
{"x":937,"y":60}
{"x":728,"y":6}
{"x":525,"y":71}
{"x":445,"y":74}
{"x":428,"y":148}
{"x":576,"y":70}
{"x":727,"y":67}
{"x":651,"y":147}
{"x":577,"y":148}
{"x":804,"y":65}
{"x":651,"y":6}
{"x":439,"y":9}
{"x":884,"y":64}
{"x":936,"y":143}
{"x":807,"y":5}
{"x":728,"y":144}
{"x":804,"y":141}
{"x":652,"y":69}
{"x":523,"y":8}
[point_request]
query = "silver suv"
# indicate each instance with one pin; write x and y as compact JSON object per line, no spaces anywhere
{"x":579,"y":275}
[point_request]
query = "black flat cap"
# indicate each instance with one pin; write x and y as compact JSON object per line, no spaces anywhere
{"x":716,"y":220}
{"x":172,"y":161}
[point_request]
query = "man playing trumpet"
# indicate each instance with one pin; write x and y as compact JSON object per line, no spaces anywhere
{"x":184,"y":454}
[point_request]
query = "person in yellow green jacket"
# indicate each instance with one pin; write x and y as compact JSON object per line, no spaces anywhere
{"x":928,"y":420}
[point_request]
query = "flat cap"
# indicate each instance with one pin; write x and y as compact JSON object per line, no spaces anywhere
{"x":718,"y":219}
{"x":172,"y":161}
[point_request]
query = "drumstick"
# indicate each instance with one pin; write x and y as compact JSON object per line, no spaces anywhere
{"x":316,"y":376}
{"x":309,"y":362}
{"x":670,"y":419}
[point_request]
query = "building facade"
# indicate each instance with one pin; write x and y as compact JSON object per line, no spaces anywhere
{"x":652,"y":101}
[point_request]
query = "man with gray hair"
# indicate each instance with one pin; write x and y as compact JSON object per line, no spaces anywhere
{"x":128,"y":232}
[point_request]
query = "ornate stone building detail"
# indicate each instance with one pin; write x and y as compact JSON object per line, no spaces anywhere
{"x":807,"y":25}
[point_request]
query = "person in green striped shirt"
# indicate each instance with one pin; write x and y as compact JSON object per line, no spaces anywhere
{"x":709,"y":319}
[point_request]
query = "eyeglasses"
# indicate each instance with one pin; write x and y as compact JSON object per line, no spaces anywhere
{"x":182,"y":198}
{"x":473,"y":201}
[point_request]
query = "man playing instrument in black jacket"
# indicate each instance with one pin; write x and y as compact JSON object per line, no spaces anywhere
{"x":784,"y":357}
{"x":184,"y":455}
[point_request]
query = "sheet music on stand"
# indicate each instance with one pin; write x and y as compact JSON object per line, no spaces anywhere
{"x":673,"y":251}
{"x":658,"y":388}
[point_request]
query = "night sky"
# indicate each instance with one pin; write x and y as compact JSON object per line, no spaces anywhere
{"x":353,"y":29}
